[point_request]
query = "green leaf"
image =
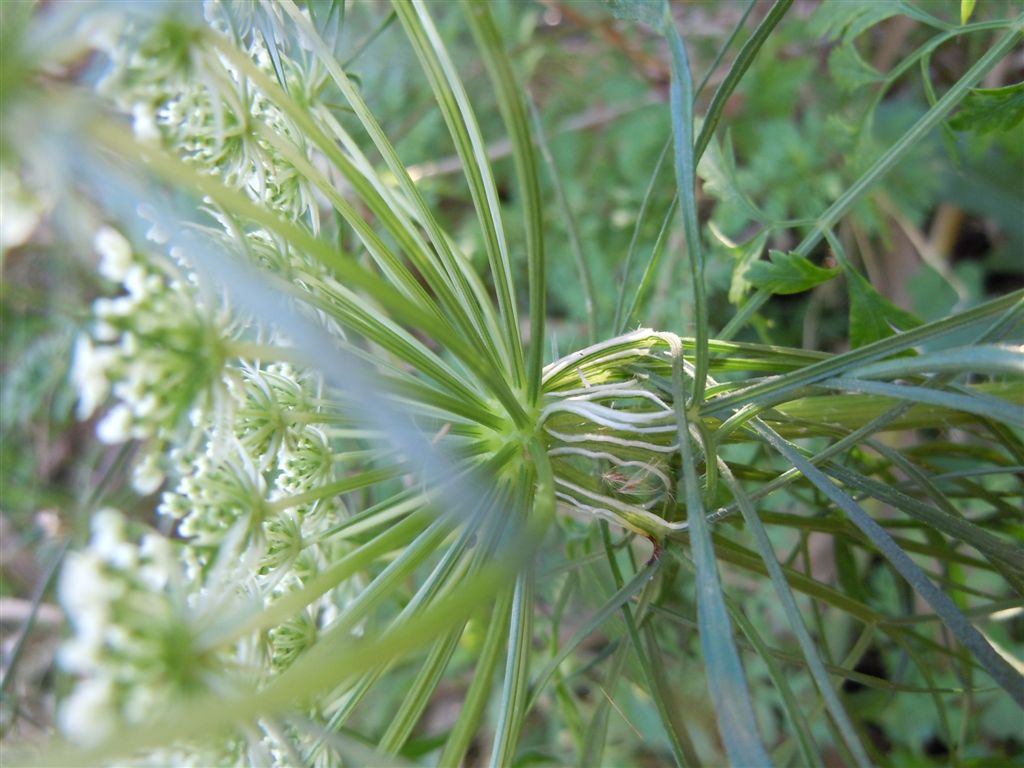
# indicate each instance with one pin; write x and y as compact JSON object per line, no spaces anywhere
{"x":788,"y":273}
{"x":850,"y":70}
{"x":849,"y":18}
{"x":987,"y":110}
{"x":966,"y":9}
{"x":745,"y":255}
{"x":872,"y":316}
{"x":717,"y":168}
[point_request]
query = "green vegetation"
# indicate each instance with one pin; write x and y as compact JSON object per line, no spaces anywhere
{"x":612,"y":383}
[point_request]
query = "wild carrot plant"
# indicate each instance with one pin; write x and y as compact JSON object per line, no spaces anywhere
{"x":381,"y":480}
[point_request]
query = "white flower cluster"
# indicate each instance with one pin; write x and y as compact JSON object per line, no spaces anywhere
{"x":210,"y":114}
{"x":133,"y":642}
{"x":249,"y":450}
{"x":246,"y":451}
{"x":159,"y":348}
{"x":138,"y":647}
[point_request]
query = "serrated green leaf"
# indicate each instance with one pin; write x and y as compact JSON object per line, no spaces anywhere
{"x":872,"y":316}
{"x":849,"y":70}
{"x":966,"y":9}
{"x":991,"y":109}
{"x":717,"y":169}
{"x":788,"y":273}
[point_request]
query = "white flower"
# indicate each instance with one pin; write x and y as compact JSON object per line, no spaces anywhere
{"x":116,"y":426}
{"x":104,"y":331}
{"x":157,"y":561}
{"x":84,"y":589}
{"x":147,"y":476}
{"x":108,"y":539}
{"x":136,"y":283}
{"x":115,"y":253}
{"x":87,"y":716}
{"x":144,"y":122}
{"x":86,"y":593}
{"x":109,"y":309}
{"x":89,"y":375}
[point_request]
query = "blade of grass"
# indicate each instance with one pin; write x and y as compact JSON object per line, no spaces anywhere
{"x":681,"y":100}
{"x":475,"y":701}
{"x":597,"y":729}
{"x":800,"y":722}
{"x":457,"y":272}
{"x":517,"y":669}
{"x":450,"y":288}
{"x":418,"y":697}
{"x":771,"y":391}
{"x":736,"y":72}
{"x":620,"y":323}
{"x":365,"y":43}
{"x":115,"y":138}
{"x":609,"y":607}
{"x":1001,"y":671}
{"x":725,"y":47}
{"x":668,"y":706}
{"x":981,"y":358}
{"x":447,"y":571}
{"x":989,"y":545}
{"x":675,"y":730}
{"x":793,"y":616}
{"x":729,"y":692}
{"x":630,"y":316}
{"x":976,"y":403}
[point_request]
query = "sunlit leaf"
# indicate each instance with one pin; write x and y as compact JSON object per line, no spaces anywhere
{"x":787,"y":272}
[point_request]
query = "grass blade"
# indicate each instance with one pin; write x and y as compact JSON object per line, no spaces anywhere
{"x":477,"y":696}
{"x":611,"y":605}
{"x":739,"y":68}
{"x":620,"y":322}
{"x":789,"y":606}
{"x":517,"y":669}
{"x":729,"y":692}
{"x":1000,"y":670}
{"x":681,"y":98}
{"x":582,"y":267}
